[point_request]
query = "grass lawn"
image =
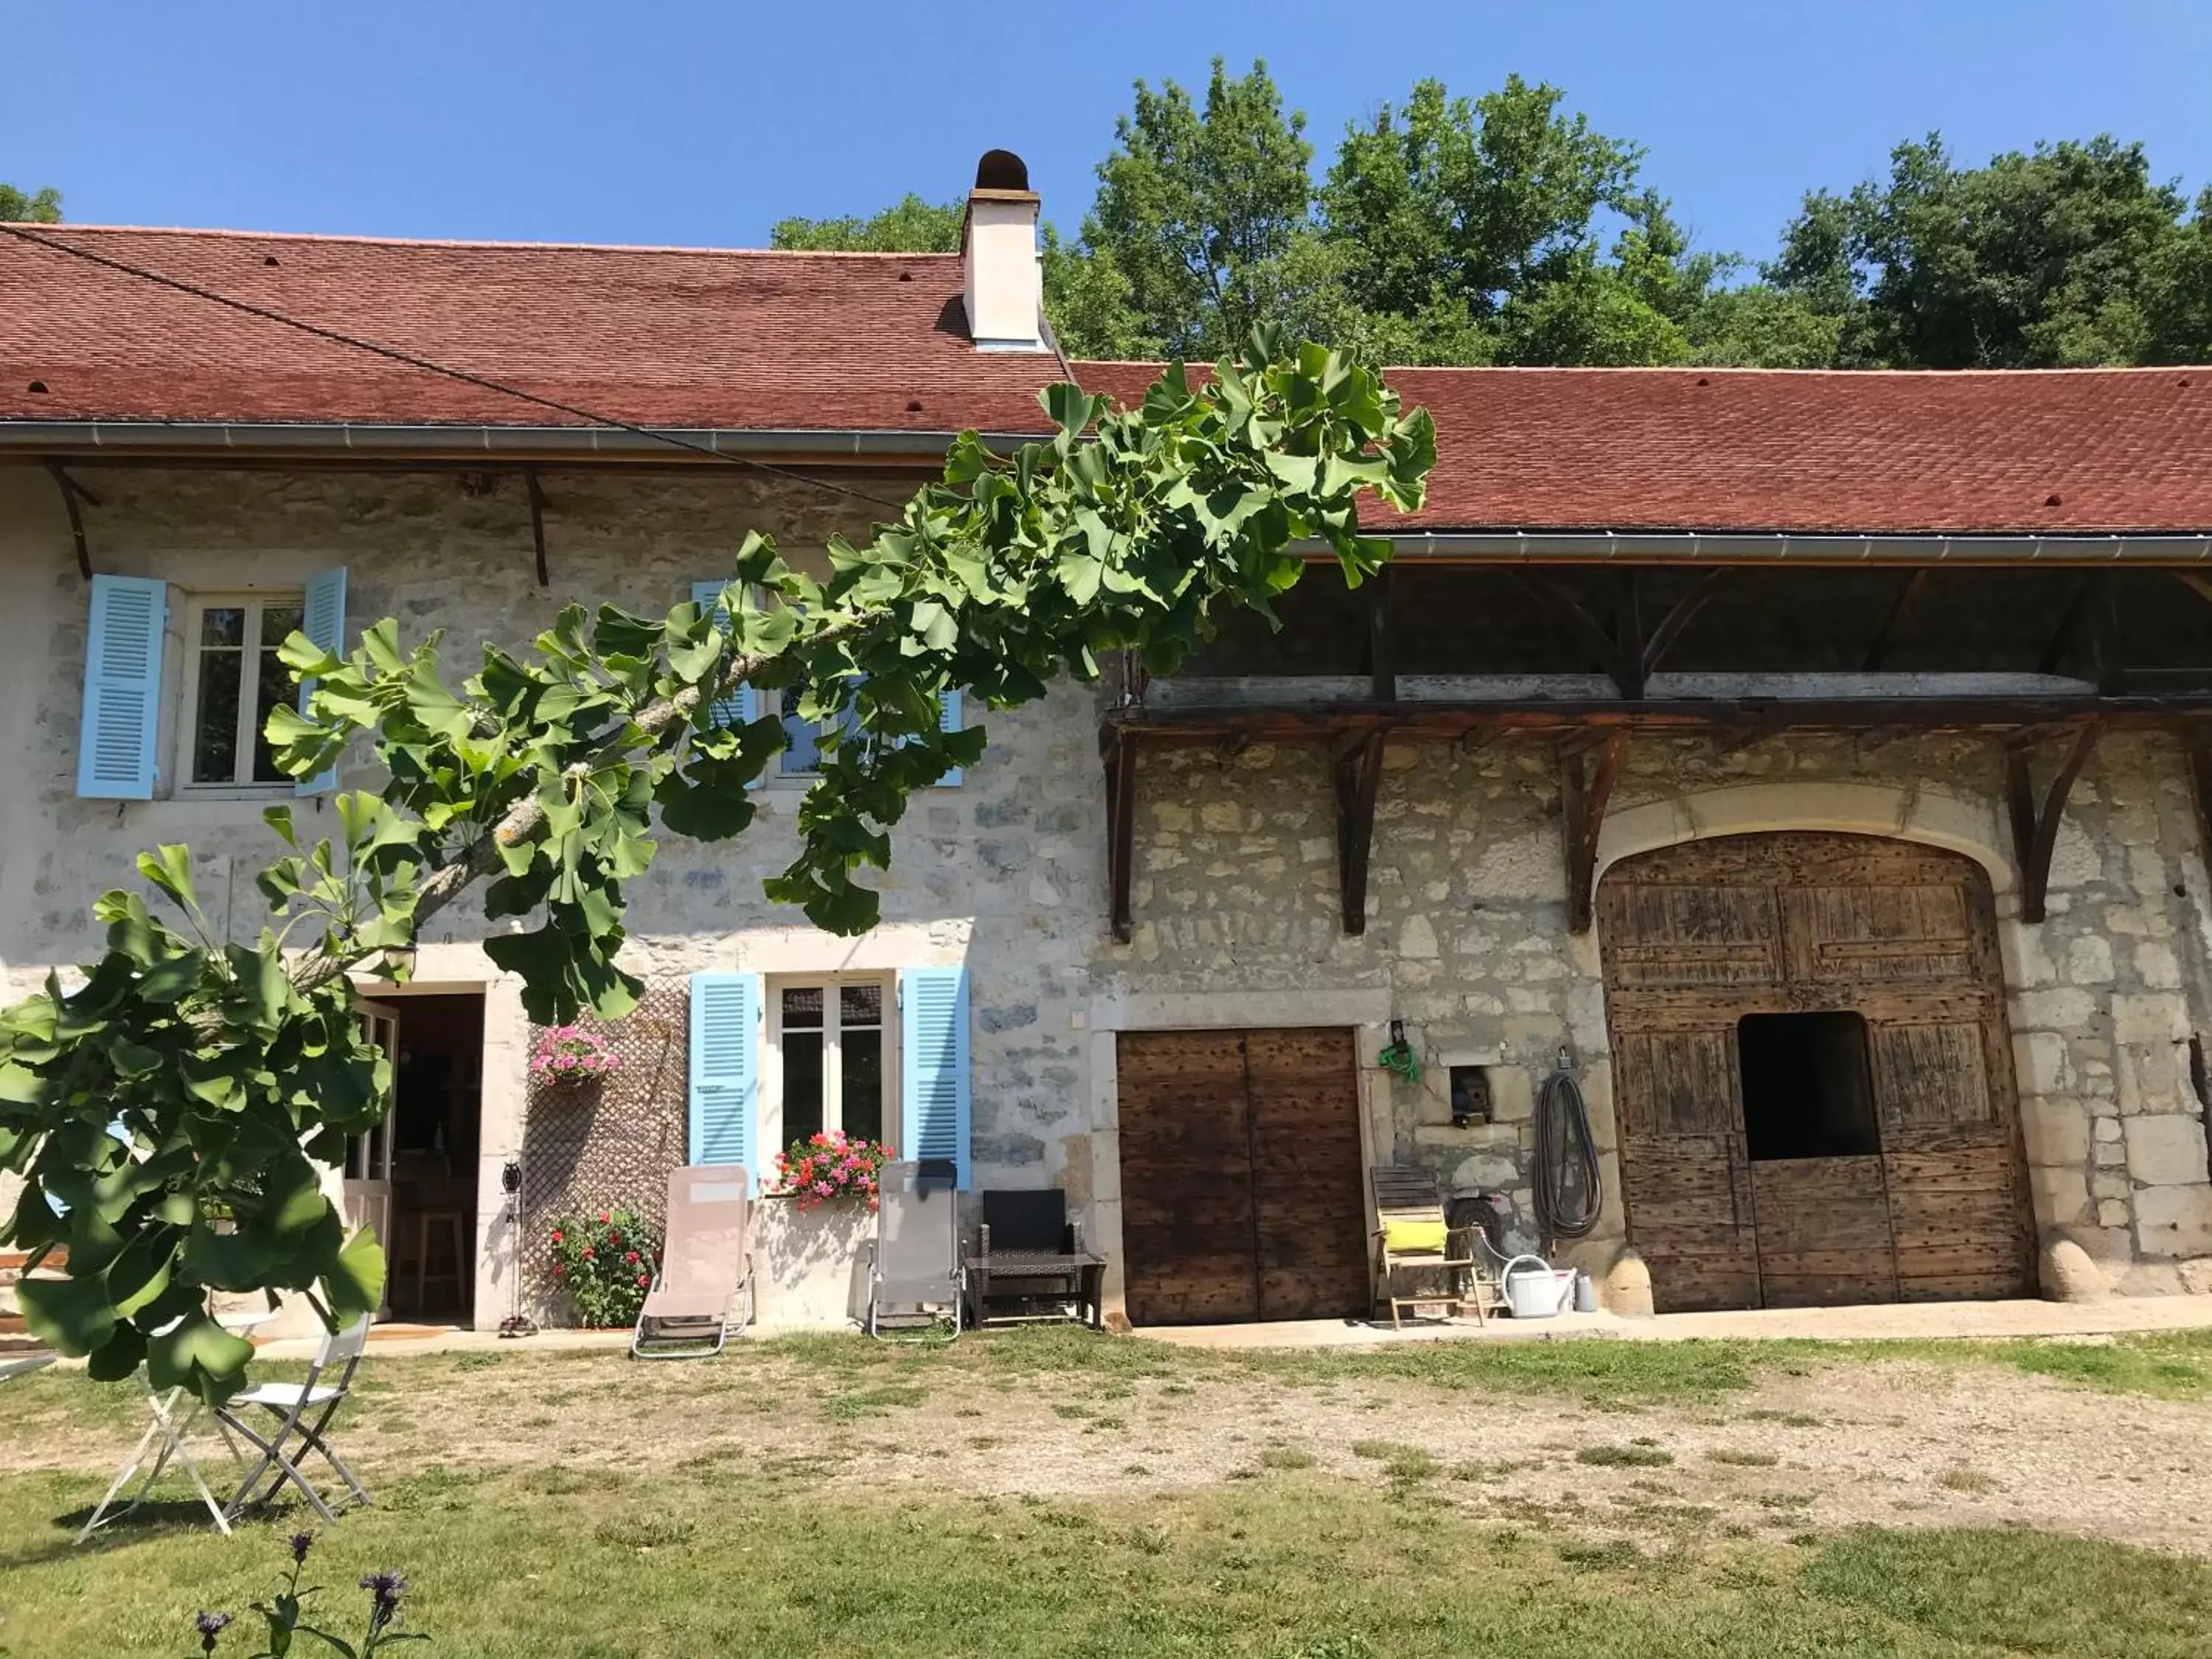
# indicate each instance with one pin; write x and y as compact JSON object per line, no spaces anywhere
{"x":578,"y":1505}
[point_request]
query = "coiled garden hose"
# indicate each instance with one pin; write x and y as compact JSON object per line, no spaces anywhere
{"x":1569,"y":1190}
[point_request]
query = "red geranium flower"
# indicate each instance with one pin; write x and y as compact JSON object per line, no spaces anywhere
{"x":604,"y":1216}
{"x":643,"y":1280}
{"x":589,"y":1253}
{"x":556,"y":1235}
{"x":558,"y":1270}
{"x":632,"y":1257}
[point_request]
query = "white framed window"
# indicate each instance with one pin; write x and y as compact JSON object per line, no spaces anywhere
{"x":831,"y":1046}
{"x":232,"y":678}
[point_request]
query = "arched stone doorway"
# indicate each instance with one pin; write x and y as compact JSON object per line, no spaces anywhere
{"x":1811,"y":1072}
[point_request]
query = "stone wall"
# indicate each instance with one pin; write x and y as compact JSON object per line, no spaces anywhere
{"x":1002,"y":873}
{"x":1235,"y":889}
{"x":1235,"y":880}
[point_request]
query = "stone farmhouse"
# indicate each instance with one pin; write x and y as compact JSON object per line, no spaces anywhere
{"x":1816,"y":764}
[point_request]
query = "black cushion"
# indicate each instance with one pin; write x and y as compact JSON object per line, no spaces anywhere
{"x":1031,"y":1219}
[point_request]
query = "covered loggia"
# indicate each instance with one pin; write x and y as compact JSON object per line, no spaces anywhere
{"x":1811,"y":1073}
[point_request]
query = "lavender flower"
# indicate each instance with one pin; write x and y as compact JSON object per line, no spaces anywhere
{"x":387,"y":1588}
{"x":209,"y":1625}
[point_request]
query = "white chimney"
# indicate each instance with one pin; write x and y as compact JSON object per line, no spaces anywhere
{"x":1005,"y":287}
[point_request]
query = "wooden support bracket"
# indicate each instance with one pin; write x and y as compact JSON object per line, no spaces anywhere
{"x":1877,"y":654}
{"x":1118,"y":748}
{"x":2035,"y":831}
{"x":1679,"y":616}
{"x":1628,"y":654}
{"x":2198,"y":742}
{"x":1357,"y":772}
{"x":537,"y":522}
{"x":1585,"y":787}
{"x":75,"y":498}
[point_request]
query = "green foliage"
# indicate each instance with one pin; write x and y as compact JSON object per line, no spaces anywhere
{"x":605,"y":1259}
{"x":1200,"y":214}
{"x":1505,"y":229}
{"x":234,"y":1072}
{"x":2066,"y":255}
{"x":168,"y":1114}
{"x":910,"y":226}
{"x":41,"y":207}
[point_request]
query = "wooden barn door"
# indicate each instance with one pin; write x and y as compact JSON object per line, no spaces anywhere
{"x":1241,"y":1173}
{"x":1933,"y":1203}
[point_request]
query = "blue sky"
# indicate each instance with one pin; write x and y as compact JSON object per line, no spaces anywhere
{"x":703,"y":123}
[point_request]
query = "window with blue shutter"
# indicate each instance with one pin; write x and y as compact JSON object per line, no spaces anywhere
{"x":322,"y":619}
{"x":725,"y":1045}
{"x":949,"y":720}
{"x":745,"y":706}
{"x":122,"y":688}
{"x":935,"y":1114}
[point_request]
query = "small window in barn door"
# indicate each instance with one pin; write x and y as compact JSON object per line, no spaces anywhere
{"x":1806,"y":1089}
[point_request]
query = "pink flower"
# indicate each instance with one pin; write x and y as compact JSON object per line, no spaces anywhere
{"x":823,"y":1188}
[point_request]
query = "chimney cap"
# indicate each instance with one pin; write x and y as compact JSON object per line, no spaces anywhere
{"x":1001,"y":169}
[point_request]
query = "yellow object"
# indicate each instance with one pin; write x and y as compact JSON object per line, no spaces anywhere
{"x":1411,"y":1237}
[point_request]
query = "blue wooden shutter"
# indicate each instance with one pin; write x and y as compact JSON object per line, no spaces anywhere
{"x":950,"y":722}
{"x":322,"y":619}
{"x":726,"y":1015}
{"x":122,"y":688}
{"x":934,"y":1089}
{"x":746,"y":705}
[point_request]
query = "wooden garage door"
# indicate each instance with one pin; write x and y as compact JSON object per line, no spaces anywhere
{"x":1240,"y":1176}
{"x":1696,"y":937}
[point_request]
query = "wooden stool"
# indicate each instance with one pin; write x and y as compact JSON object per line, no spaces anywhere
{"x":452,"y":1227}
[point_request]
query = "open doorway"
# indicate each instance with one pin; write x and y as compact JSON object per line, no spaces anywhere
{"x":429,"y":1155}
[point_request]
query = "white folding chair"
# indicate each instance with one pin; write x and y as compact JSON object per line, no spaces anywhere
{"x":172,"y":1426}
{"x":303,"y":1412}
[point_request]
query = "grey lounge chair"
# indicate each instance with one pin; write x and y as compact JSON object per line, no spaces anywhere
{"x":916,"y":1269}
{"x":303,"y":1412}
{"x":702,"y":1289}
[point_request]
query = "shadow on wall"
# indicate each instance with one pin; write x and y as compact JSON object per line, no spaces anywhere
{"x":612,"y":1141}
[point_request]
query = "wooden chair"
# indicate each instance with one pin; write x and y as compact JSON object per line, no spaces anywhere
{"x":1414,"y":1241}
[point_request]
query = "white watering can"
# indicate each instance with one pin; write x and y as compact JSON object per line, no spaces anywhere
{"x":1534,"y":1289}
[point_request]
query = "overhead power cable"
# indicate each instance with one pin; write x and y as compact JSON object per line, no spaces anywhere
{"x":429,"y":366}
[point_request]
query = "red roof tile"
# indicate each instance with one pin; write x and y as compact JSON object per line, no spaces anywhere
{"x":689,"y":338}
{"x":2062,"y":451}
{"x":654,"y":336}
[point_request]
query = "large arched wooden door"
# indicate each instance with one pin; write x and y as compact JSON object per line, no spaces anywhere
{"x":1812,"y":1074}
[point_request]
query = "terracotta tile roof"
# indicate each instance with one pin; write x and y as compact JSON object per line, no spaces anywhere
{"x":655,"y":336}
{"x":693,"y":337}
{"x":2062,"y":451}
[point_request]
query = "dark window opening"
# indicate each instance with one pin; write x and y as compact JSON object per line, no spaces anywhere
{"x":1470,"y":1094}
{"x":1807,"y":1090}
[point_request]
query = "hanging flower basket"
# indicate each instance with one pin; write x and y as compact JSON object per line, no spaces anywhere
{"x":830,"y":1168}
{"x":568,"y":1055}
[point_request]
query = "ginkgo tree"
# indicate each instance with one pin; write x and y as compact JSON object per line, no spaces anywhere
{"x":172,"y":1114}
